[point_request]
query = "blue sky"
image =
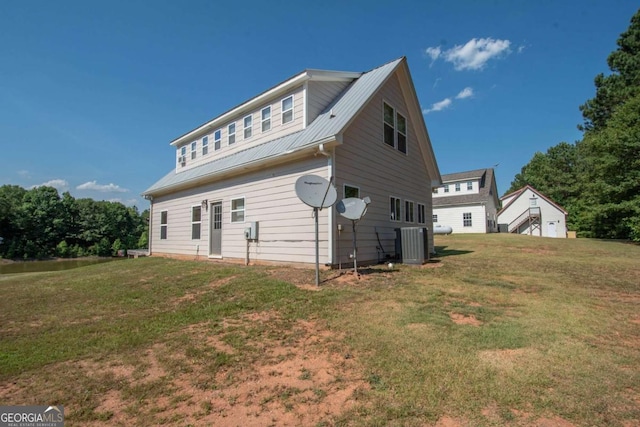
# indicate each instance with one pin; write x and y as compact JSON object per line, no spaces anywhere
{"x":92,"y":92}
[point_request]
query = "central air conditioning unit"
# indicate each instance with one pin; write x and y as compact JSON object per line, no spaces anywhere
{"x":412,"y":244}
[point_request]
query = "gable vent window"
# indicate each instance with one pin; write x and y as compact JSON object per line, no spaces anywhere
{"x":266,"y":119}
{"x":231,"y":129}
{"x":248,"y":121}
{"x":287,"y":109}
{"x":395,"y":128}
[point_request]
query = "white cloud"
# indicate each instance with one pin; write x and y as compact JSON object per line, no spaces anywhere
{"x":59,"y":184}
{"x":108,"y":188}
{"x":521,"y":48}
{"x":24,"y":173}
{"x":465,"y":93}
{"x":473,"y":55}
{"x":438,"y":106}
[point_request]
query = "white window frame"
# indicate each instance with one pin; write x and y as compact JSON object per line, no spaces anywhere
{"x":183,"y":154}
{"x":422,"y":212}
{"x":231,"y":136}
{"x":446,"y":188}
{"x":457,"y":187}
{"x":217,"y":138}
{"x":353,"y":187}
{"x":284,"y":113}
{"x":247,"y":123}
{"x":194,"y":150}
{"x":395,"y":209}
{"x":469,"y":185}
{"x":434,"y":190}
{"x":235,"y":212}
{"x":409,"y":211}
{"x":434,"y":217}
{"x":395,"y":128}
{"x":265,"y":121}
{"x":467,"y":219}
{"x":195,"y":223}
{"x":205,"y":145}
{"x":164,"y":226}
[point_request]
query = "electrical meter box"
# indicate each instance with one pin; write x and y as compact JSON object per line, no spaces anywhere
{"x":251,"y":232}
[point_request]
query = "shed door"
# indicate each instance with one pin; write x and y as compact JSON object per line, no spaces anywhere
{"x":551,"y":229}
{"x":215,"y":229}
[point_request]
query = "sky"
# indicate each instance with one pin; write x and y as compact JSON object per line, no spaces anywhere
{"x":92,"y":92}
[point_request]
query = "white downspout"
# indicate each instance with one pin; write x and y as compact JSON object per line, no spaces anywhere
{"x":330,"y":155}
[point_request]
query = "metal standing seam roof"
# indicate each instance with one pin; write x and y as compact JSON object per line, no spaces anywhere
{"x":330,"y":123}
{"x":483,"y":195}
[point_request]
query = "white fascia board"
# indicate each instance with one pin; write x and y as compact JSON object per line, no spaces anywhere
{"x":249,"y":105}
{"x":332,"y":76}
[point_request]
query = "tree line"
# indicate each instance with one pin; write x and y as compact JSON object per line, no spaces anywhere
{"x":39,"y":223}
{"x":597,"y":179}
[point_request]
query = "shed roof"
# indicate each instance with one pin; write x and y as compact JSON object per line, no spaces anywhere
{"x":327,"y":127}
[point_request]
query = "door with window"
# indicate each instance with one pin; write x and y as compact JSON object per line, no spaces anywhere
{"x":551,"y":229}
{"x":215,"y":229}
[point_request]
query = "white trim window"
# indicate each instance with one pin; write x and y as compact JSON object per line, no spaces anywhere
{"x":351,"y":191}
{"x":237,"y":209}
{"x":248,"y":127}
{"x":231,"y":131}
{"x":194,"y":148}
{"x":205,"y":145}
{"x":409,"y":211}
{"x":466,"y":219}
{"x":421,"y":214}
{"x":394,"y":128}
{"x":434,"y":217}
{"x":394,"y":209}
{"x":446,"y":188}
{"x":469,"y":185}
{"x":217,"y":137}
{"x":457,"y":186}
{"x":266,"y":119}
{"x":287,"y":109}
{"x":183,"y":156}
{"x":164,"y":224}
{"x":196,"y":222}
{"x":434,"y":190}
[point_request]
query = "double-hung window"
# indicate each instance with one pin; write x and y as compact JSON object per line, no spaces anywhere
{"x":434,"y":217}
{"x":394,"y":208}
{"x":466,"y":219}
{"x":287,"y":109}
{"x":421,"y":214}
{"x":457,"y":186}
{"x":469,"y":185}
{"x":217,"y":136}
{"x":408,"y":211}
{"x":248,"y":128}
{"x":163,"y":225}
{"x":205,"y":145}
{"x":196,"y":222}
{"x":237,"y":210}
{"x":266,"y":119}
{"x":446,"y":188}
{"x":231,"y":137}
{"x":394,"y":128}
{"x":194,"y":147}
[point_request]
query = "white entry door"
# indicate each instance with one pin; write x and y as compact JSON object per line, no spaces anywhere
{"x":551,"y":229}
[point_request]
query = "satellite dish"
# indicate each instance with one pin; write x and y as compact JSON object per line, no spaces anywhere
{"x":316,"y":191}
{"x":352,"y":208}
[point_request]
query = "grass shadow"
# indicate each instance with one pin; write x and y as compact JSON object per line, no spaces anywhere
{"x":442,"y":251}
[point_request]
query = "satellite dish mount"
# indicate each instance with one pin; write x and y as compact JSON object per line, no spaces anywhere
{"x":353,"y":209}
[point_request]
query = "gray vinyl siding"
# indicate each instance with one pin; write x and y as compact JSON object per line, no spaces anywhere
{"x":286,"y":227}
{"x":258,"y":137}
{"x":320,"y":95}
{"x":380,"y":171}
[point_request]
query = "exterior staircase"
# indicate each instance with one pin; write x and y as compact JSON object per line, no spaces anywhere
{"x":531,"y":218}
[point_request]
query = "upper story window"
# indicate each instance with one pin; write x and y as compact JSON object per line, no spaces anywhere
{"x":266,"y":119}
{"x":287,"y":109}
{"x":434,"y":190}
{"x":395,"y":128}
{"x":446,"y":188}
{"x":205,"y":145}
{"x":248,"y":129}
{"x":457,"y":186}
{"x":469,"y":185}
{"x":217,"y":136}
{"x":182,"y":159}
{"x":395,"y":209}
{"x":237,"y":210}
{"x":533,"y":201}
{"x":194,"y":146}
{"x":231,"y":130}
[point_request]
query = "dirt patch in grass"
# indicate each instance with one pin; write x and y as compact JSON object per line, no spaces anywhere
{"x":192,"y":296}
{"x":504,"y":359}
{"x":461,"y":319}
{"x":206,"y":375}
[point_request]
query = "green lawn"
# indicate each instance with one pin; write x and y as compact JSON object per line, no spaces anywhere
{"x":496,"y":330}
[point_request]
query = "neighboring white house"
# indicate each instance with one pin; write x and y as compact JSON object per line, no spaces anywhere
{"x":528,"y":211}
{"x":364,"y":130}
{"x":467,"y":202}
